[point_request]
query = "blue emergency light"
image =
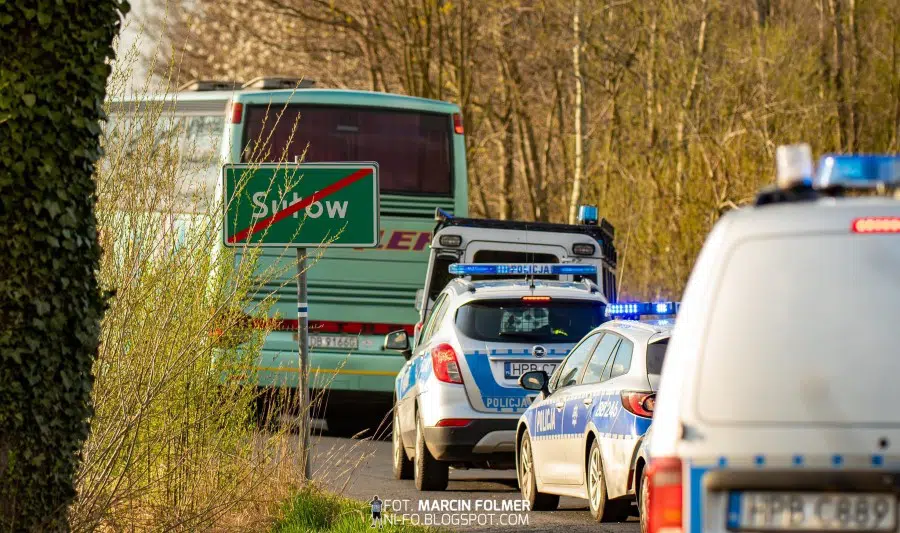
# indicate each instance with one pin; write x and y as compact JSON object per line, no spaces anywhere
{"x":588,"y":214}
{"x":520,"y":269}
{"x":635,"y":310}
{"x":857,"y":171}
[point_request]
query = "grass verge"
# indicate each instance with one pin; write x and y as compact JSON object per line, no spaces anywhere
{"x":315,"y":510}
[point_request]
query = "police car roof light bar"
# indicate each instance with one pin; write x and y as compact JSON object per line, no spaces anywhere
{"x":637,"y":309}
{"x":521,"y":269}
{"x":861,"y":171}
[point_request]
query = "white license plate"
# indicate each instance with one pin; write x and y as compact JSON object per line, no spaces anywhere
{"x":342,"y":342}
{"x":514,"y":369}
{"x":811,"y":511}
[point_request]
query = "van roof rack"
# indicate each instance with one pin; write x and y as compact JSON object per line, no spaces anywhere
{"x":211,"y":85}
{"x":268,"y":83}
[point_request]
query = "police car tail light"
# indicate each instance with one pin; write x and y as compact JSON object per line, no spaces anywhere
{"x":876,"y":225}
{"x":453,"y":423}
{"x":446,"y":367}
{"x":664,"y":495}
{"x":639,"y":403}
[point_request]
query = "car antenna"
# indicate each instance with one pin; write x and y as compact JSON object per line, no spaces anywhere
{"x":527,"y":250}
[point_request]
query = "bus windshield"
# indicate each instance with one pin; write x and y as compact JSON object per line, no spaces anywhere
{"x":412,"y":148}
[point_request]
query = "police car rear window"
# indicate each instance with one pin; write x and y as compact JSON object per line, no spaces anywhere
{"x":656,"y":353}
{"x":802,"y":330}
{"x":515,"y":321}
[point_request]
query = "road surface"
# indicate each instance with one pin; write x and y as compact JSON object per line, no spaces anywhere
{"x":361,"y":469}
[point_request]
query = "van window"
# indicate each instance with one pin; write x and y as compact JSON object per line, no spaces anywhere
{"x":412,"y":148}
{"x":812,"y":316}
{"x":508,"y":321}
{"x":656,"y":354}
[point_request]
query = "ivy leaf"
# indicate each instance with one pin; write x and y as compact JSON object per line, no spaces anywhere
{"x":29,"y":99}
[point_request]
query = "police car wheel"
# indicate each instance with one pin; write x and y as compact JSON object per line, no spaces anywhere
{"x":602,"y":509}
{"x":643,"y":502}
{"x":537,"y":501}
{"x":403,"y":467}
{"x":429,"y":473}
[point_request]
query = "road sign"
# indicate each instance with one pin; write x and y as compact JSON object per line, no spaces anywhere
{"x":301,"y":205}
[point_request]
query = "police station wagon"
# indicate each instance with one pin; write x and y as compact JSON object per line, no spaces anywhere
{"x":778,"y":402}
{"x":581,"y":437}
{"x":458,"y":398}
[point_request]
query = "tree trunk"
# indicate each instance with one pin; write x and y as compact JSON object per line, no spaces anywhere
{"x":54,"y":75}
{"x":579,"y":114}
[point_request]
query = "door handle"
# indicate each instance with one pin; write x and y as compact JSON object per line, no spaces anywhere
{"x":560,"y":405}
{"x":588,"y":401}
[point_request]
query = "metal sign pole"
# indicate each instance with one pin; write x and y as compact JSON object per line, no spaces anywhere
{"x":303,"y":379}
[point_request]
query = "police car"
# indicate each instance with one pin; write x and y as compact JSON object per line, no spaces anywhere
{"x":778,"y":402}
{"x":457,"y":397}
{"x":581,"y":437}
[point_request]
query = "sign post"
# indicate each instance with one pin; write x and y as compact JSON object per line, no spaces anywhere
{"x":301,"y":205}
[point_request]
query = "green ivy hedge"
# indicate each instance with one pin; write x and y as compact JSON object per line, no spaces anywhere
{"x":53,"y":72}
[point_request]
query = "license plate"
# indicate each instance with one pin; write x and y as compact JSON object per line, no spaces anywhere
{"x":342,"y":342}
{"x":795,"y":511}
{"x":512,"y":369}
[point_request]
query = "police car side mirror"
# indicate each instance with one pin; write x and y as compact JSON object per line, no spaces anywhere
{"x":534,"y":380}
{"x":398,"y":341}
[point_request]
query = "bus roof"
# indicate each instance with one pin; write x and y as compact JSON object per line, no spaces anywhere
{"x":215,"y":100}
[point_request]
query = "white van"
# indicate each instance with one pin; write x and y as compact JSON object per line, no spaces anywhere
{"x":473,"y":240}
{"x":779,"y":404}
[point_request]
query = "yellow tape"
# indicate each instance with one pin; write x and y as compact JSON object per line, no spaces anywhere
{"x":328,"y":371}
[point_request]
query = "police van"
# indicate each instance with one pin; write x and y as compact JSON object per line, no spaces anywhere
{"x":457,"y":397}
{"x":471,"y":240}
{"x":778,"y":401}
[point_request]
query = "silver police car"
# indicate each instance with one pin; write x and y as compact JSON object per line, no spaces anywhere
{"x":457,"y":397}
{"x":582,"y":436}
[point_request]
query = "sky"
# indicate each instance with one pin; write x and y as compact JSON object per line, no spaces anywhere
{"x":129,"y":36}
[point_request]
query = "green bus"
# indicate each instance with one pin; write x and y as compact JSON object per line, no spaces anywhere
{"x":355,"y":296}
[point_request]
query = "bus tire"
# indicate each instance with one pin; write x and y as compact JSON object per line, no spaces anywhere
{"x":429,"y":473}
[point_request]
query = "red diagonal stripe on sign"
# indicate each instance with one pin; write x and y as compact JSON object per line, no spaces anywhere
{"x":303,"y":203}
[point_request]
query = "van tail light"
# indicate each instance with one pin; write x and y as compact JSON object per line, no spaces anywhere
{"x":446,"y":367}
{"x":664,"y":495}
{"x":639,"y":403}
{"x":876,"y":225}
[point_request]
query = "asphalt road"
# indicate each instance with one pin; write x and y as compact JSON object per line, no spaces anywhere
{"x":473,"y":501}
